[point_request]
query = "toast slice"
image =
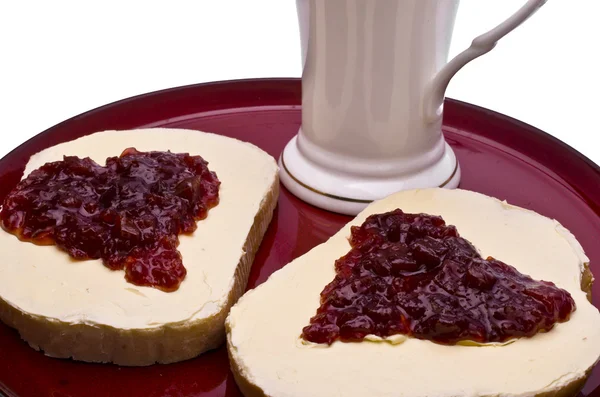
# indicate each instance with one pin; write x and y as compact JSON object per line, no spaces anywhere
{"x":269,"y":358}
{"x":85,"y":311}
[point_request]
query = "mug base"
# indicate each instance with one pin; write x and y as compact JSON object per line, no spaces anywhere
{"x":349,"y":194}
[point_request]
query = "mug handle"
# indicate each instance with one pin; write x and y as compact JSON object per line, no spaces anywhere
{"x":434,"y":94}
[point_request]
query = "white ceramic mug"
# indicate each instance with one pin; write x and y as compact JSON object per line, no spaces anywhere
{"x":373,"y":84}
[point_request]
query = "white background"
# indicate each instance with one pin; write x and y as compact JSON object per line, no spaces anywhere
{"x":61,"y":58}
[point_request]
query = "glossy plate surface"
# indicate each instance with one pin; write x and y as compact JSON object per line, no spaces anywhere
{"x":499,"y":156}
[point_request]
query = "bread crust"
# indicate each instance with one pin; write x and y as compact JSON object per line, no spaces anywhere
{"x":139,"y":347}
{"x":571,"y":389}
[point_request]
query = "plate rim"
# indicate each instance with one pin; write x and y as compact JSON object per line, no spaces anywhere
{"x":451,"y":103}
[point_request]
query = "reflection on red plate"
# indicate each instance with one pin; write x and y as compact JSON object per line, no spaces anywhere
{"x":499,"y":156}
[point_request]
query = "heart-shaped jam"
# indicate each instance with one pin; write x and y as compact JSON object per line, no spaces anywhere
{"x":412,"y":274}
{"x":129,"y":213}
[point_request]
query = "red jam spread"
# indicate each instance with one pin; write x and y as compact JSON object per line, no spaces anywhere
{"x":412,"y":274}
{"x":129,"y":213}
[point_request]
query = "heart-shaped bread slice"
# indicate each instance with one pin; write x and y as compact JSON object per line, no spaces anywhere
{"x":270,"y":358}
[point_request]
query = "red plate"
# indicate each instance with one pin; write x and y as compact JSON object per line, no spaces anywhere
{"x":499,"y":156}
